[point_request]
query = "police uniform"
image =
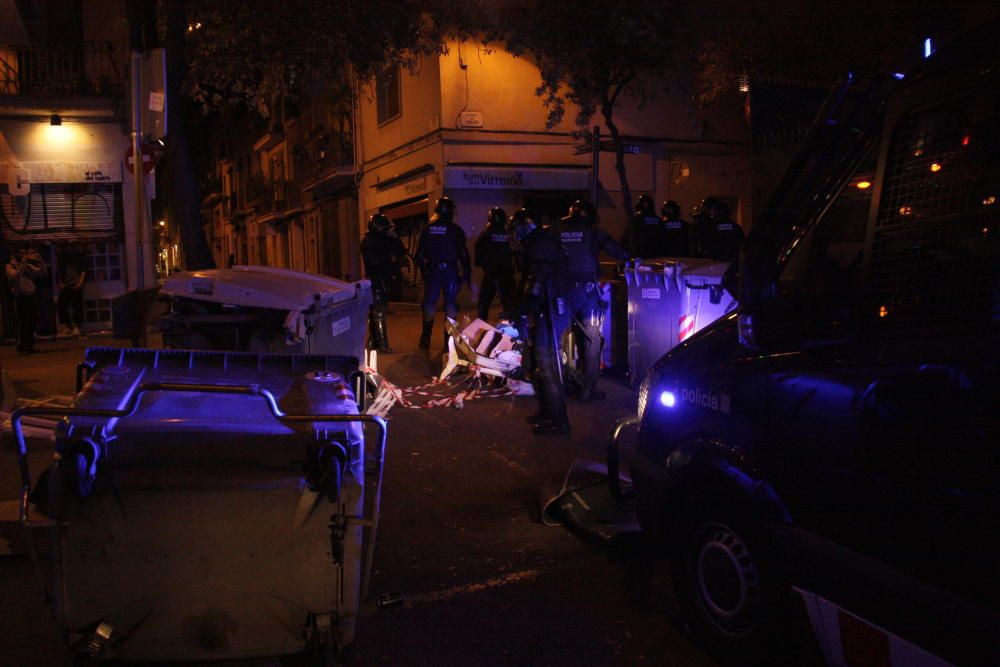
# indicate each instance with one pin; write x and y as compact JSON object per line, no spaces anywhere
{"x":722,"y":240}
{"x":716,"y":235}
{"x":444,"y":259}
{"x":494,"y":255}
{"x":675,"y":239}
{"x":644,"y":236}
{"x":582,"y":242}
{"x":383,"y":253}
{"x":542,"y":313}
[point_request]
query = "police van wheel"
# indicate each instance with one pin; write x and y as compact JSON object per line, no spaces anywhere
{"x":722,"y":575}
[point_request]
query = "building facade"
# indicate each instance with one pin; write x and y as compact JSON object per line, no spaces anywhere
{"x":64,"y":184}
{"x":468,"y":124}
{"x":297,"y":191}
{"x":282,"y":192}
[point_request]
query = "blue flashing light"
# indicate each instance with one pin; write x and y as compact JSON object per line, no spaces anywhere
{"x":899,"y":76}
{"x":928,"y":48}
{"x":668,"y":399}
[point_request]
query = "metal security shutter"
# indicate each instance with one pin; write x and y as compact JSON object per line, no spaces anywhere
{"x":62,"y":211}
{"x":934,"y":256}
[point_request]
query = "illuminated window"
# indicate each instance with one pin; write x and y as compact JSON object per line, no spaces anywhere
{"x":387,"y":94}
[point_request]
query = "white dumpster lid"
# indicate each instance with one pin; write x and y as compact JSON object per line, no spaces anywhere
{"x":260,"y":287}
{"x":709,"y":269}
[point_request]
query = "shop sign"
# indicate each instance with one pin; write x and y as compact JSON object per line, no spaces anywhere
{"x":502,"y":178}
{"x":73,"y":172}
{"x":405,"y":190}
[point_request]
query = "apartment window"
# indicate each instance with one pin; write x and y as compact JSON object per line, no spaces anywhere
{"x":387,"y":94}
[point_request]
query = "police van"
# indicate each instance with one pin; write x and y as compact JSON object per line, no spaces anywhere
{"x":827,"y":456}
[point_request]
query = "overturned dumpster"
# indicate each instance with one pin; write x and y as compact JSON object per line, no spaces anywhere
{"x":207,"y":505}
{"x":265,"y":309}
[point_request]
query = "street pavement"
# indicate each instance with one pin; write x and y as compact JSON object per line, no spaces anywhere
{"x":483,"y":581}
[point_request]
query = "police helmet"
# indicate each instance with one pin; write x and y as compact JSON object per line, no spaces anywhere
{"x":644,"y":205}
{"x":379,"y":223}
{"x":521,"y":224}
{"x":671,"y":210}
{"x":444,"y":206}
{"x":582,"y":212}
{"x":496,"y":217}
{"x":714,"y":209}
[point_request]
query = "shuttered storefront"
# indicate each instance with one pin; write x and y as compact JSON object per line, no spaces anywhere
{"x":62,"y":212}
{"x":85,"y":219}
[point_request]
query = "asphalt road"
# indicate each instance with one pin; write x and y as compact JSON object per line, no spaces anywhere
{"x":483,"y":581}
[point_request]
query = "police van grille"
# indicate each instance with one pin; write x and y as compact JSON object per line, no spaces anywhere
{"x":934,"y":250}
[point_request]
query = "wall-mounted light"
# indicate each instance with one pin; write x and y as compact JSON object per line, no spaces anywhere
{"x":55,"y":120}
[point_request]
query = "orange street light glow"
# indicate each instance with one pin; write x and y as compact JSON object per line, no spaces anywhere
{"x":863,"y":185}
{"x":935,"y":167}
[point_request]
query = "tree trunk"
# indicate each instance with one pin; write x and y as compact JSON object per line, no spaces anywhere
{"x":607,"y":110}
{"x":182,"y":191}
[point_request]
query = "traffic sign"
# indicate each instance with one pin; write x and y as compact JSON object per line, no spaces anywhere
{"x":607,"y":146}
{"x":148,"y":158}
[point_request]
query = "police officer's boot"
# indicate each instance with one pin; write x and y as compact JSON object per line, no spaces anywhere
{"x":380,"y":333}
{"x":425,"y":335}
{"x":591,"y":364}
{"x":555,"y":426}
{"x":552,"y":408}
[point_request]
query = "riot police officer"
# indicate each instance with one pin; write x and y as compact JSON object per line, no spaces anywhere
{"x":582,"y":241}
{"x":541,"y":318}
{"x":716,"y":235}
{"x":676,"y":238}
{"x":493,"y":254}
{"x":383,"y":253}
{"x":444,"y":260}
{"x":644,"y":233}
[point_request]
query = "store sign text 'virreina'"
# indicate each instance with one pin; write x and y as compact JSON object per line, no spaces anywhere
{"x":531,"y":178}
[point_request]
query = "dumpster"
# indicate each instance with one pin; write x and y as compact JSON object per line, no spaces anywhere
{"x":669,"y":300}
{"x":208,"y":505}
{"x":264,"y":309}
{"x":614,"y":292}
{"x":703,"y":298}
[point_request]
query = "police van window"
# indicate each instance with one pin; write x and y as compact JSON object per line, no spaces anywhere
{"x":824,"y":273}
{"x":933,"y":261}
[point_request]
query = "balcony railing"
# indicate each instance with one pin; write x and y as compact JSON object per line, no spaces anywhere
{"x":88,"y":69}
{"x":321,"y":152}
{"x":277,"y":197}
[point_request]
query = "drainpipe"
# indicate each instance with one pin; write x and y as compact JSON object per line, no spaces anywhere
{"x":134,"y":10}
